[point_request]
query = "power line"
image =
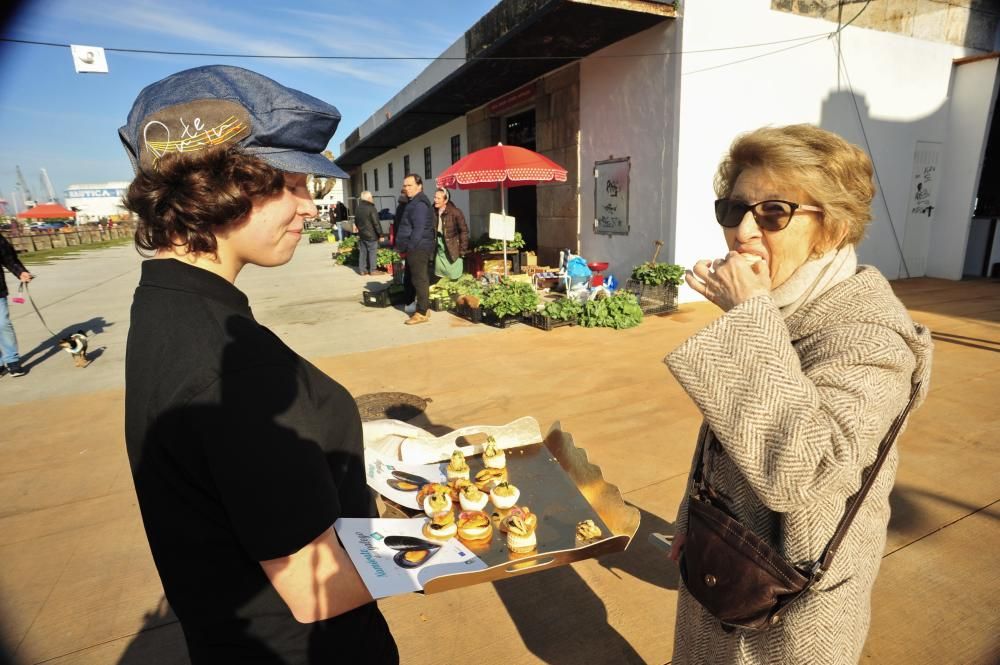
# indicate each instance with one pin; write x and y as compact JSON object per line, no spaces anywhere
{"x":420,"y":58}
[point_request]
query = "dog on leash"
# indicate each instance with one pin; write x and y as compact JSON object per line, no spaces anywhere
{"x":76,"y":346}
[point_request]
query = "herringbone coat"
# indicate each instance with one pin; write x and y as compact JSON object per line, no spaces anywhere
{"x":798,"y":408}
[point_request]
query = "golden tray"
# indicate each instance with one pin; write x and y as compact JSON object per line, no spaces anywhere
{"x":563,"y":488}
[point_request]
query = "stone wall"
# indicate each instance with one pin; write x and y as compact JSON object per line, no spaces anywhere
{"x":85,"y":236}
{"x":969,"y":23}
{"x":557,"y":136}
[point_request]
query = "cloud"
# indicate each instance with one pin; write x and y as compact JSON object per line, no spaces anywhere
{"x":200,"y":24}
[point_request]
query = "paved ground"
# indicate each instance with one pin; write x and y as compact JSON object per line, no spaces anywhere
{"x":77,"y":584}
{"x":311,"y":303}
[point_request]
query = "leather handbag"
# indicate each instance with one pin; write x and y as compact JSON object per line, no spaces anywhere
{"x":736,"y":575}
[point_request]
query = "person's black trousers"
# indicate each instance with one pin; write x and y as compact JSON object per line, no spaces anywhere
{"x":418,"y":278}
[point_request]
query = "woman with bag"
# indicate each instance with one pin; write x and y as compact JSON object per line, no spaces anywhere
{"x":452,"y":236}
{"x":798,"y":381}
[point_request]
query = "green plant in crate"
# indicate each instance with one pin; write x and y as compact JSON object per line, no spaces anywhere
{"x":487,"y":244}
{"x":509,"y":298}
{"x":441,"y":294}
{"x":564,"y":309}
{"x":658,"y":274}
{"x":466,"y":285}
{"x":317,"y":235}
{"x":386,"y":257}
{"x":347,"y":252}
{"x":618,"y":311}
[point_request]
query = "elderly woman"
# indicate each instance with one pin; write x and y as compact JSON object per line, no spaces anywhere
{"x":243,"y":454}
{"x":452,"y":231}
{"x":798,"y":381}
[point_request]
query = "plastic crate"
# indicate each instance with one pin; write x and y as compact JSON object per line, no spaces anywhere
{"x":393,"y":295}
{"x":542,"y":322}
{"x":474,"y":314}
{"x":653,"y":299}
{"x":491,"y":319}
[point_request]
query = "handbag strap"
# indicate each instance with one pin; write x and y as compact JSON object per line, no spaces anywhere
{"x":854,"y":503}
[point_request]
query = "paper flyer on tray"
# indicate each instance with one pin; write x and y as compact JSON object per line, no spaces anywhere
{"x":380,"y":470}
{"x":365,"y":542}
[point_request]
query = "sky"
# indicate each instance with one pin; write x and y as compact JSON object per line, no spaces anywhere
{"x":53,"y":118}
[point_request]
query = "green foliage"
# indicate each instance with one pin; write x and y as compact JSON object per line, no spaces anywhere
{"x":618,"y":311}
{"x":508,"y":298}
{"x":350,"y":242}
{"x":349,"y":258}
{"x":440,"y":292}
{"x":386,"y":257}
{"x":657,"y":274}
{"x":466,"y":285}
{"x":564,"y":309}
{"x":317,"y":235}
{"x":487,"y":244}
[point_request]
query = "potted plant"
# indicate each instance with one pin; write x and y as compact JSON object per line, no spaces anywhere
{"x":655,"y":286}
{"x":507,"y":301}
{"x":317,"y":235}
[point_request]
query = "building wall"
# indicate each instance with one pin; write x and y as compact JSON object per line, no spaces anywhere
{"x":971,"y":23}
{"x":900,"y":85}
{"x":974,"y":95}
{"x":94,"y":201}
{"x":629,"y":108}
{"x":557,"y":136}
{"x":439,"y":141}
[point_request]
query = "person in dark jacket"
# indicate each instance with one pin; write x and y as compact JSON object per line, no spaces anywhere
{"x":369,"y":230}
{"x":400,"y":207}
{"x":11,"y":361}
{"x":416,"y":241}
{"x":451,"y":225}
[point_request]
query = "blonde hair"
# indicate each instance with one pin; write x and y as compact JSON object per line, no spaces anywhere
{"x":836,"y":174}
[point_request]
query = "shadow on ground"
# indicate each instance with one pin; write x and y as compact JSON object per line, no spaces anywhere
{"x":50,"y":347}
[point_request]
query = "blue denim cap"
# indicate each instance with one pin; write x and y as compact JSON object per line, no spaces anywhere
{"x":218,"y":104}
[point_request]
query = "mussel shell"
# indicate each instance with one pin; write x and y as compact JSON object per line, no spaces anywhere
{"x":413,"y":478}
{"x":407,"y":543}
{"x":414,"y":558}
{"x":402,"y":485}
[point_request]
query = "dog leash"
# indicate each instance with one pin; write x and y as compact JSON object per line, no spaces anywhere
{"x":23,"y":288}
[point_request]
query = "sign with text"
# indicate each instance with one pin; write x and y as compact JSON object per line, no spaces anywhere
{"x":501,"y":227}
{"x":512,"y":100}
{"x":611,"y":196}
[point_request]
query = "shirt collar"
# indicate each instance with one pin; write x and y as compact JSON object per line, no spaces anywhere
{"x":179,"y":276}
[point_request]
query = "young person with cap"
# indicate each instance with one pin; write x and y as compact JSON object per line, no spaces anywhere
{"x":243,"y":454}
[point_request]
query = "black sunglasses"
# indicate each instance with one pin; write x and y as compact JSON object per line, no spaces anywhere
{"x":772,"y":215}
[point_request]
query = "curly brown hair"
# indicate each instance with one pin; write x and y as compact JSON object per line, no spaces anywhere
{"x":192,"y":196}
{"x":835,"y":173}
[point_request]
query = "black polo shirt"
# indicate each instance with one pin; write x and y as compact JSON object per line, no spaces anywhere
{"x":241,"y":452}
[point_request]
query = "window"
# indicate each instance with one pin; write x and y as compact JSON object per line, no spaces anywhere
{"x":391,"y":185}
{"x":406,"y":165}
{"x":456,"y":148}
{"x":366,"y":181}
{"x":427,"y":163}
{"x":376,"y":179}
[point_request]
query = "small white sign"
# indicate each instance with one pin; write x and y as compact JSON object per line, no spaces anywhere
{"x":501,"y":227}
{"x":377,"y":563}
{"x":89,"y":59}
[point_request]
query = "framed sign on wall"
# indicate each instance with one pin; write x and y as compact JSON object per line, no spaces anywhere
{"x":611,"y":196}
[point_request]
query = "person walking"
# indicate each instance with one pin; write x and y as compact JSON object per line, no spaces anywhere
{"x":416,"y":242}
{"x":9,"y":357}
{"x":369,"y":230}
{"x":243,"y":454}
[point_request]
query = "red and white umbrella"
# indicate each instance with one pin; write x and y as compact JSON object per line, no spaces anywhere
{"x":503,"y":165}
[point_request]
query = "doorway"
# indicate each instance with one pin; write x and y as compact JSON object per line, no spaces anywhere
{"x":522,"y":202}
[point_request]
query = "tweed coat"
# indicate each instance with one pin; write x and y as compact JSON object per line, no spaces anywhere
{"x":794,"y":410}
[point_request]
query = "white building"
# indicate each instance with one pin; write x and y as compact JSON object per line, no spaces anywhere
{"x":94,"y":201}
{"x":659,"y":95}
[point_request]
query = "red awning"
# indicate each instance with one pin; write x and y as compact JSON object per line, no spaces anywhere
{"x":47,"y":211}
